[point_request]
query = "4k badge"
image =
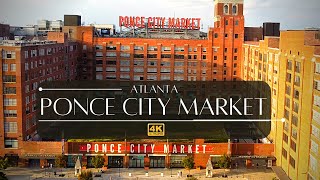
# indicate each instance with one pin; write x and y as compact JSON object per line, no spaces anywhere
{"x":156,"y":129}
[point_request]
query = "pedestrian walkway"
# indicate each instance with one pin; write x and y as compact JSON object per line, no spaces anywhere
{"x":139,"y":174}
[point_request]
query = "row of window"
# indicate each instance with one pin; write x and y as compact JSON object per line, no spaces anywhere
{"x":141,"y":56}
{"x":150,"y":48}
{"x":5,"y":67}
{"x":48,"y":51}
{"x":226,"y":35}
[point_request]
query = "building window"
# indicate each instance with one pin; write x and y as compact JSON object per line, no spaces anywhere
{"x":13,"y":67}
{"x":215,"y":35}
{"x":166,"y":56}
{"x":152,"y":48}
{"x":297,"y":81}
{"x":10,"y":127}
{"x":204,"y":56}
{"x":138,"y":48}
{"x":9,"y":79}
{"x":235,"y":58}
{"x":166,"y":49}
{"x":316,"y":101}
{"x":152,"y":56}
{"x":317,"y":85}
{"x":111,"y":54}
{"x":99,"y":69}
{"x":294,"y":120}
{"x":125,"y":55}
{"x":292,"y":162}
{"x":317,"y":68}
{"x":285,"y":138}
{"x":226,"y":35}
{"x":293,"y":146}
{"x":226,"y":9}
{"x":314,"y":147}
{"x":313,"y":165}
{"x":138,"y":55}
{"x":236,"y":22}
{"x":284,"y":153}
{"x":11,"y":143}
{"x":9,"y":90}
{"x":111,"y":62}
{"x":9,"y":55}
{"x":234,"y":9}
{"x":99,"y":54}
{"x":289,"y":65}
{"x":235,"y":50}
{"x":287,"y":103}
{"x":294,"y":133}
{"x":298,"y":67}
{"x":215,"y":58}
{"x":288,"y":77}
{"x":152,"y":63}
{"x":227,"y":22}
{"x":296,"y":107}
{"x":111,"y":48}
{"x":5,"y":67}
{"x":10,"y":113}
{"x":10,"y":102}
{"x":125,"y":48}
{"x":296,"y":94}
{"x":236,"y":36}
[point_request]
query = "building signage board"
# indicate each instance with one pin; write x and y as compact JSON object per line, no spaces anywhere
{"x":159,"y":22}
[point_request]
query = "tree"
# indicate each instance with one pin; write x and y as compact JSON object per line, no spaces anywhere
{"x":224,"y":162}
{"x":97,"y":161}
{"x":4,"y":163}
{"x":188,"y":163}
{"x":61,"y":161}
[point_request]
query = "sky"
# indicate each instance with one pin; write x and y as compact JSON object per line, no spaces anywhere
{"x":292,"y":14}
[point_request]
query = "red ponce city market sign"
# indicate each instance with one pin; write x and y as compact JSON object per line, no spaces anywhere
{"x":159,"y":22}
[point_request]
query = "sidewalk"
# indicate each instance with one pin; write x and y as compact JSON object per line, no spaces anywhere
{"x":114,"y":174}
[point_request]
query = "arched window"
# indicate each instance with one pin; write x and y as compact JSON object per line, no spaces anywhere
{"x":234,"y":9}
{"x":226,"y":9}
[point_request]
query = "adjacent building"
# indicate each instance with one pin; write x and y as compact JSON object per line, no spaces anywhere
{"x":24,"y":65}
{"x":289,"y":65}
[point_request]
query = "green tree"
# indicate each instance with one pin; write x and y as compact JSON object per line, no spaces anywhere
{"x":85,"y":175}
{"x":4,"y":163}
{"x":97,"y":161}
{"x":61,"y":161}
{"x":188,"y":163}
{"x":224,"y":162}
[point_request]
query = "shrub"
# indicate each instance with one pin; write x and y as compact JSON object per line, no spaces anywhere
{"x":85,"y":175}
{"x":192,"y":178}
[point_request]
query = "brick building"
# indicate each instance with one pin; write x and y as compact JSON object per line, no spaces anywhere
{"x":77,"y":53}
{"x":24,"y":65}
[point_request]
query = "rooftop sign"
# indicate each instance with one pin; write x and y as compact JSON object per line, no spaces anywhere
{"x":159,"y":22}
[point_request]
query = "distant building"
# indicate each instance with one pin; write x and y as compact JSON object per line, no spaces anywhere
{"x":45,"y":26}
{"x":105,"y":30}
{"x":24,"y":31}
{"x":4,"y":31}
